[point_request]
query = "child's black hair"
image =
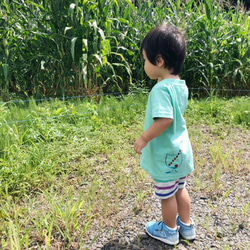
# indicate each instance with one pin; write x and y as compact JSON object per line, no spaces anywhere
{"x":167,"y":41}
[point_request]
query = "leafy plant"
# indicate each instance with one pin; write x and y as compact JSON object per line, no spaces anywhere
{"x":218,"y":48}
{"x":58,"y":48}
{"x":76,"y":47}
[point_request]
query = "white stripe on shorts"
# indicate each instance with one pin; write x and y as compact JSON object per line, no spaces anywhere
{"x":164,"y":190}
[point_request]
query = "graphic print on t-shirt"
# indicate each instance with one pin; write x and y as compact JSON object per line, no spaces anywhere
{"x":173,"y":161}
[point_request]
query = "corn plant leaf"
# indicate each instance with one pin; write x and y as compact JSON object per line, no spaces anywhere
{"x":72,"y":8}
{"x":122,"y":20}
{"x":246,"y":56}
{"x":66,"y":29}
{"x":6,"y":71}
{"x":102,"y":34}
{"x":85,"y":43}
{"x":239,"y":61}
{"x":72,"y":50}
{"x":98,"y":58}
{"x":84,"y":73}
{"x":37,"y":5}
{"x":242,"y":75}
{"x":211,"y":65}
{"x":126,"y":67}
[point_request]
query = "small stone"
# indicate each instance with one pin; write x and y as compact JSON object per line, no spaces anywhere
{"x":213,"y":246}
{"x":144,"y":236}
{"x":181,"y":247}
{"x":126,"y":240}
{"x":203,"y":198}
{"x":219,"y":234}
{"x":135,"y":247}
{"x":209,"y":236}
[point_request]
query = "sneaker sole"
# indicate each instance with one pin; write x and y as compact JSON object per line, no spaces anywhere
{"x":162,"y":240}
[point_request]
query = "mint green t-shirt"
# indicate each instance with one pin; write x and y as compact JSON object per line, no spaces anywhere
{"x":168,"y":156}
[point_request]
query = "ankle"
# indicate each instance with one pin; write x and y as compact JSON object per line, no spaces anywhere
{"x":170,"y":224}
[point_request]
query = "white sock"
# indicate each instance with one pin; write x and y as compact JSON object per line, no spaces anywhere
{"x":171,"y":228}
{"x":186,"y":223}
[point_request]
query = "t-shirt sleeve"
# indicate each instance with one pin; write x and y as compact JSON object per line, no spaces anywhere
{"x":161,"y":103}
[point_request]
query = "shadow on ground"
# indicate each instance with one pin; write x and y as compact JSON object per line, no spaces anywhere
{"x":142,"y":242}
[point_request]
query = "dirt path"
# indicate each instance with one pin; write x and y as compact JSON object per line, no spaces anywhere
{"x":220,"y":196}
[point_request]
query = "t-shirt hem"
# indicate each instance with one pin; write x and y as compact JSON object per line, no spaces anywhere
{"x":171,"y":179}
{"x":162,"y":115}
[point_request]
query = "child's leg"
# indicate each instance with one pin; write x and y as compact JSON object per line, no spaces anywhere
{"x":184,"y":205}
{"x":169,"y":211}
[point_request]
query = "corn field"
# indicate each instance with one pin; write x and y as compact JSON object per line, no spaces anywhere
{"x":60,"y":48}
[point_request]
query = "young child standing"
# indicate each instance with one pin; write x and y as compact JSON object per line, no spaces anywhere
{"x":164,"y":146}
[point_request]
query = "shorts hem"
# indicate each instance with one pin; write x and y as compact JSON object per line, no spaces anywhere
{"x":165,"y":190}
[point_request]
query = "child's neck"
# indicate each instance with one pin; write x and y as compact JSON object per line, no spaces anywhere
{"x":168,"y":76}
{"x":165,"y":73}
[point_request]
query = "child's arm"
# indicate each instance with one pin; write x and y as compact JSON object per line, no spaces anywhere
{"x":156,"y":128}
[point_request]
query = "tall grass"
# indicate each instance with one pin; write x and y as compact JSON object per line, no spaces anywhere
{"x":37,"y":138}
{"x":29,"y":149}
{"x":57,"y":48}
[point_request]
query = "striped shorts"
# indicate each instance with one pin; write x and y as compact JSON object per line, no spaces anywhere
{"x":165,"y":190}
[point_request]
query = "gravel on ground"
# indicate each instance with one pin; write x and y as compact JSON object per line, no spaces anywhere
{"x":221,"y":216}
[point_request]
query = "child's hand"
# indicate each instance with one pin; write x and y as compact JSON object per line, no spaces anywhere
{"x":139,"y":145}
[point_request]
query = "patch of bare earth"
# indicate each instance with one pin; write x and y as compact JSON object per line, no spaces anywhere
{"x":220,"y":195}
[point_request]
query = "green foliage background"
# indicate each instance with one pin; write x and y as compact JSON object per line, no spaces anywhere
{"x":74,"y":47}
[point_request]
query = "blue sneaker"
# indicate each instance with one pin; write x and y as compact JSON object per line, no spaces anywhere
{"x":160,"y":232}
{"x":187,"y":232}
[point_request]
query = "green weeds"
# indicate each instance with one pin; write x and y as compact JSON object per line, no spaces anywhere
{"x":213,"y":111}
{"x":69,"y":167}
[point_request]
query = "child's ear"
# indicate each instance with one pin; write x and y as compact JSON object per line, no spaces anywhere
{"x":159,"y":61}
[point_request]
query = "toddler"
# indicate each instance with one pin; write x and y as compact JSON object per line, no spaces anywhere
{"x":164,"y":146}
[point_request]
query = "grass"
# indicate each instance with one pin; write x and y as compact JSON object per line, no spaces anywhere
{"x":69,"y":164}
